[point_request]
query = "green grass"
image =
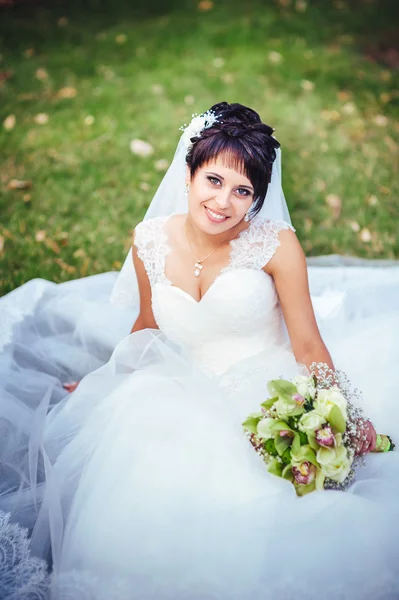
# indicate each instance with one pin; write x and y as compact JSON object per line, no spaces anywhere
{"x":88,"y":190}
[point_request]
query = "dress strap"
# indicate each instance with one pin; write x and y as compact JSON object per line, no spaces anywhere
{"x":256,"y":245}
{"x":150,"y":240}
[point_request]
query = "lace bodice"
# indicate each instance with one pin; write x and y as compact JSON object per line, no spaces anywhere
{"x":238,"y":316}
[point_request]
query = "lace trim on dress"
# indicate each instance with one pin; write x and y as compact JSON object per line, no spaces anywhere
{"x":22,"y":576}
{"x":151,"y":241}
{"x":252,"y":249}
{"x":255,"y":246}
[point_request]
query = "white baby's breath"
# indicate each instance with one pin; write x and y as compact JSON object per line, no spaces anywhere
{"x":198,"y":123}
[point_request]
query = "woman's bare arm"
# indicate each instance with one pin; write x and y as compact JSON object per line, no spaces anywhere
{"x":146,"y":319}
{"x":289,"y":271}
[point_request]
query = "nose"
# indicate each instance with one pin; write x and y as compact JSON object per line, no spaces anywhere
{"x":222,"y":199}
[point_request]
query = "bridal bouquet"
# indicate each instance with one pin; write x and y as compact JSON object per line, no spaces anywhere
{"x":306,"y":432}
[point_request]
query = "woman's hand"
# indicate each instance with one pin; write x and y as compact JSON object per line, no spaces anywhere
{"x":70,"y":387}
{"x":365,"y":438}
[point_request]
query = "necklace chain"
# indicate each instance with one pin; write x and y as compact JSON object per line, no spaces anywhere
{"x":198,"y":265}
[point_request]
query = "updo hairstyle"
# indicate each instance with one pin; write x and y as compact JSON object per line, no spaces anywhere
{"x":245,"y":143}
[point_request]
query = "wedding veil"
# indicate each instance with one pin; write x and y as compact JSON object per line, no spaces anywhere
{"x":170,"y":198}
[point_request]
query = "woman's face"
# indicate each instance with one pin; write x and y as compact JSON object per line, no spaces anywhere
{"x":219,"y":197}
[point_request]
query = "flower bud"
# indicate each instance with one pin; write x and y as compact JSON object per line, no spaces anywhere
{"x":300,"y":400}
{"x":305,"y":473}
{"x":286,"y":433}
{"x":325,"y":436}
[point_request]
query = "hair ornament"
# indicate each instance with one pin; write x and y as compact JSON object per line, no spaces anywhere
{"x":197,"y":124}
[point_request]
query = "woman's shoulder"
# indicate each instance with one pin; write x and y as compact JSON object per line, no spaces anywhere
{"x":263,"y":237}
{"x":263,"y":225}
{"x":149,"y":230}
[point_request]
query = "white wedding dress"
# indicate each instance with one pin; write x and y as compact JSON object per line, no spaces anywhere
{"x":144,"y":482}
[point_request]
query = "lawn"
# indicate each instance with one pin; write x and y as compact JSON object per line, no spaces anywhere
{"x":77,"y":85}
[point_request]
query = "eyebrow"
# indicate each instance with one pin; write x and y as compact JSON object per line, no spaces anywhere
{"x":248,"y":187}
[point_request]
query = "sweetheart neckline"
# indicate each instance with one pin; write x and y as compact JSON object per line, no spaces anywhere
{"x":168,"y":283}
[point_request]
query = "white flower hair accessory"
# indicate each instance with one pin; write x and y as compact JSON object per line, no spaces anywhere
{"x":197,"y":124}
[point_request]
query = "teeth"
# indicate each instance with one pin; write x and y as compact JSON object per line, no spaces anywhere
{"x":216,"y":216}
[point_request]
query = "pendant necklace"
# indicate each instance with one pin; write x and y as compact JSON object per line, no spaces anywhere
{"x":198,"y":265}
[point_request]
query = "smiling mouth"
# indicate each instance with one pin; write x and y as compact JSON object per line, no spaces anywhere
{"x":216,"y":216}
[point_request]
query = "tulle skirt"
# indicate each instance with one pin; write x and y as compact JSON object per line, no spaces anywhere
{"x":141,"y":484}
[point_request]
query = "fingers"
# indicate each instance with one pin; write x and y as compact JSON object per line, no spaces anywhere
{"x":71,"y":386}
{"x":367,"y":444}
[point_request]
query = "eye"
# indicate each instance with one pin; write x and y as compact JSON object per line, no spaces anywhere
{"x":243,"y":192}
{"x":214,"y":180}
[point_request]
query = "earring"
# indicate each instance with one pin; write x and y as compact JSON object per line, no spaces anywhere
{"x":246,"y":218}
{"x":187,"y":189}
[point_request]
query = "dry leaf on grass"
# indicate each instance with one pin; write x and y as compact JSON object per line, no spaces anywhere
{"x":64,"y":266}
{"x":67,"y":92}
{"x":9,"y":122}
{"x":335,"y":204}
{"x":19,"y":184}
{"x":141,"y":148}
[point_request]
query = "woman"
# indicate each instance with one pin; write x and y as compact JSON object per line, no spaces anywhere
{"x":146,"y":484}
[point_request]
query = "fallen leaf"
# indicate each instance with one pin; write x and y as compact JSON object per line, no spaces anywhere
{"x":121,"y":38}
{"x":52,"y":245}
{"x":2,"y":241}
{"x":330,"y":115}
{"x":344,"y":95}
{"x":157,"y":89}
{"x":307,"y":85}
{"x":40,"y":235}
{"x":301,"y":5}
{"x":380,"y":120}
{"x":372,"y":200}
{"x":89,"y":120}
{"x":62,"y":22}
{"x":9,"y":122}
{"x":308,"y":225}
{"x":218,"y":62}
{"x":349,"y":108}
{"x":162,"y":164}
{"x":141,"y":148}
{"x":29,"y":52}
{"x":41,"y":119}
{"x":41,"y":74}
{"x":385,"y":97}
{"x":19,"y":184}
{"x":354,"y":226}
{"x":117,"y":265}
{"x":64,"y":266}
{"x":392,"y":145}
{"x":335,"y":203}
{"x":5,"y":75}
{"x":228,"y":78}
{"x":385,"y":190}
{"x":205,"y":5}
{"x":85,"y":267}
{"x":189,"y":100}
{"x":79,"y":253}
{"x":27,"y":198}
{"x":365,"y":235}
{"x":275,"y":57}
{"x":67,"y":92}
{"x":144,"y":186}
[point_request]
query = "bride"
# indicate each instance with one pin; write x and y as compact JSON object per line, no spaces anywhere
{"x":140,"y":484}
